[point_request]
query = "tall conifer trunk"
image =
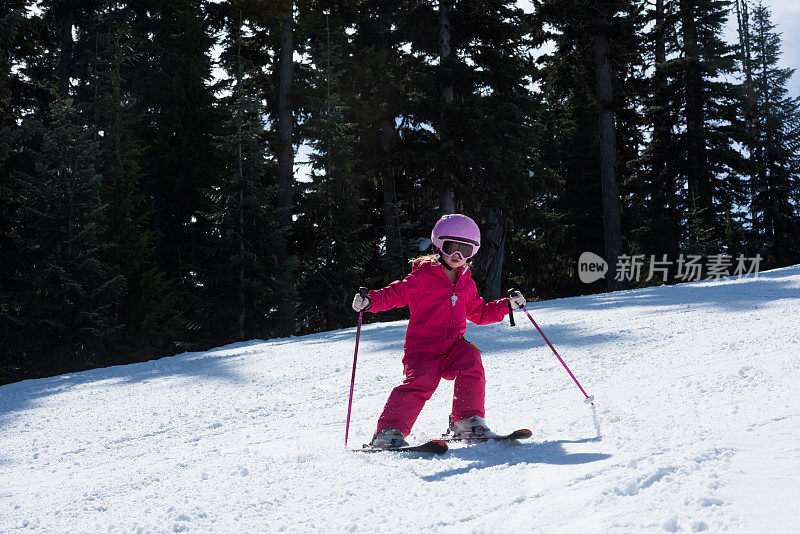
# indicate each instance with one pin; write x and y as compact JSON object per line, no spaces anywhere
{"x":493,"y":254}
{"x":390,"y":219}
{"x":394,"y":247}
{"x":286,"y":164}
{"x":65,"y":57}
{"x":240,"y":196}
{"x":743,"y":21}
{"x":660,"y":126}
{"x":664,"y":217}
{"x":698,"y":179}
{"x":608,"y":149}
{"x":446,"y":193}
{"x":329,"y":297}
{"x":64,"y":69}
{"x":743,"y":25}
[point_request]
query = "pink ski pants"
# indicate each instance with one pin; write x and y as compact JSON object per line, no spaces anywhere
{"x":423,"y":371}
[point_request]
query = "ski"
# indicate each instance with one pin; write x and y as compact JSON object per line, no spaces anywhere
{"x":434,"y":446}
{"x":522,"y":433}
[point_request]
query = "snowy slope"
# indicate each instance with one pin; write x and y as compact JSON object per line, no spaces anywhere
{"x":697,"y":405}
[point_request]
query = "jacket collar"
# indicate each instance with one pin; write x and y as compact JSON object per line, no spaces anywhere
{"x":438,"y":268}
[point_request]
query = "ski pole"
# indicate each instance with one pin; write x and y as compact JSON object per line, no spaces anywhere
{"x":589,"y":398}
{"x":363,"y":292}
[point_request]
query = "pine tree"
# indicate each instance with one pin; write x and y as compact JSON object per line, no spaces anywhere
{"x":608,"y":139}
{"x":463,"y":138}
{"x":61,"y":317}
{"x":105,"y":51}
{"x":688,"y":182}
{"x":359,"y":219}
{"x":284,"y":120}
{"x":571,"y":148}
{"x":9,"y":137}
{"x":775,"y":150}
{"x":15,"y":47}
{"x":168,"y":85}
{"x":710,"y":163}
{"x":330,"y":256}
{"x":376,"y":86}
{"x":243,"y":257}
{"x":496,"y":135}
{"x":660,"y":209}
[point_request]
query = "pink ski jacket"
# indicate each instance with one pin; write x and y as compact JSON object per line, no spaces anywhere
{"x":439,"y":309}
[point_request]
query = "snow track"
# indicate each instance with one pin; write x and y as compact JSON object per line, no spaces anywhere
{"x":696,"y":389}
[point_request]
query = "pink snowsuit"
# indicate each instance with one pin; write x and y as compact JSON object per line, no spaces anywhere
{"x":435,"y":347}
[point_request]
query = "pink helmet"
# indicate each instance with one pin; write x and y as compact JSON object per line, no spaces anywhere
{"x":456,"y":233}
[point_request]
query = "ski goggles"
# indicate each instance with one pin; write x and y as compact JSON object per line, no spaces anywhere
{"x":451,"y":248}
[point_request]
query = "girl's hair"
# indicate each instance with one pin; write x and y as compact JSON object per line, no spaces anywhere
{"x":427,"y":257}
{"x":431,"y":257}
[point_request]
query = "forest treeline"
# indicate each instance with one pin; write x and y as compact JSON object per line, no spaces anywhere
{"x":151,"y":202}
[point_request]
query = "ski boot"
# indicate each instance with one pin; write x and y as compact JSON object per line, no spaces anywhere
{"x":470,"y":428}
{"x":388,"y":438}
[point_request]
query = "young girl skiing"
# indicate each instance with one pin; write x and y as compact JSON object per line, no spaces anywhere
{"x":441,"y":296}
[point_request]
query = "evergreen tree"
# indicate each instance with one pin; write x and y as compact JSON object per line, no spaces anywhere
{"x":689,"y":189}
{"x":176,"y":104}
{"x":710,"y":162}
{"x":284,"y":47}
{"x":572,"y":106}
{"x":334,"y":246}
{"x":61,"y":315}
{"x":243,"y":257}
{"x":168,"y":80}
{"x":496,"y":134}
{"x":658,"y":193}
{"x":15,"y":47}
{"x":380,"y":76}
{"x":105,"y":52}
{"x":464,"y":139}
{"x":608,"y":137}
{"x":9,"y":136}
{"x":775,"y":149}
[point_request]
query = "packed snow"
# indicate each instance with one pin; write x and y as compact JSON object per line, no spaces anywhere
{"x":697,"y":428}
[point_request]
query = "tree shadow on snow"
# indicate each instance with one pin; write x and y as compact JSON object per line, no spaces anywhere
{"x":727,"y":294}
{"x":386,"y":336}
{"x":486,"y":455}
{"x":213,"y":363}
{"x":524,"y":336}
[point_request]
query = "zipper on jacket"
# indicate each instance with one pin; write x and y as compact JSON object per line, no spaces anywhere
{"x":453,"y":299}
